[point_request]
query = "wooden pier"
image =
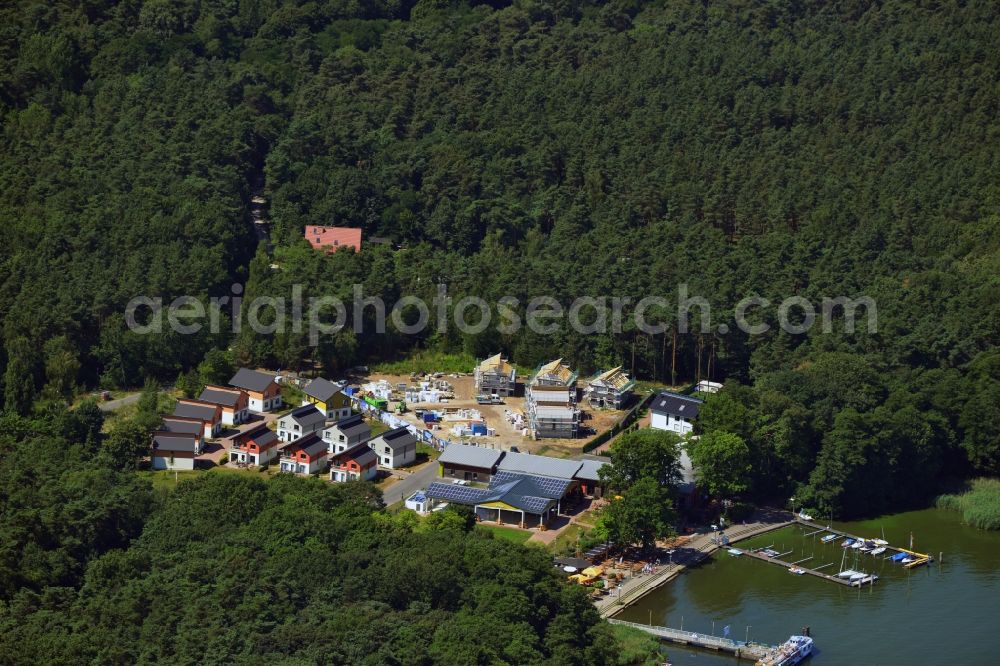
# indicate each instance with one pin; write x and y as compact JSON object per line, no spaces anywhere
{"x":789,"y":565}
{"x":752,"y":650}
{"x":921,"y":558}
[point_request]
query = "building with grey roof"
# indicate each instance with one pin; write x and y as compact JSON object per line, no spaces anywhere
{"x":263,"y":393}
{"x":468,"y":462}
{"x":299,"y":422}
{"x":395,"y":448}
{"x":674,"y":412}
{"x":170,"y":450}
{"x":539,"y":465}
{"x":210,"y":415}
{"x":347,"y":433}
{"x":234,"y":403}
{"x":523,"y":499}
{"x":322,"y":389}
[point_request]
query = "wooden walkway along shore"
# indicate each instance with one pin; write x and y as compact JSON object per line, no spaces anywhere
{"x":694,"y":639}
{"x":704,"y":546}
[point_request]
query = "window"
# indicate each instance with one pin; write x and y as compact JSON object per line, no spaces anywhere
{"x":387,"y":461}
{"x":296,"y":427}
{"x":342,"y":438}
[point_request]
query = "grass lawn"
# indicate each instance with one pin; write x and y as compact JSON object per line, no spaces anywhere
{"x":427,"y":361}
{"x":567,"y":539}
{"x":377,"y":427}
{"x":427,"y":452}
{"x":506,"y":533}
{"x":166,"y":479}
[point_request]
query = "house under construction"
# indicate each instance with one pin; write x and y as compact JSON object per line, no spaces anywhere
{"x":496,"y":375}
{"x":551,"y":402}
{"x":610,"y":390}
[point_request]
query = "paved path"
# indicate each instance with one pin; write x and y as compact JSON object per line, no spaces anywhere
{"x":112,"y":405}
{"x":217,"y":450}
{"x":410,"y":483}
{"x":695,"y":550}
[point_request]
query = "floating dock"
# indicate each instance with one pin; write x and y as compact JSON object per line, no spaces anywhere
{"x":752,"y":650}
{"x":920,"y":559}
{"x":789,"y":565}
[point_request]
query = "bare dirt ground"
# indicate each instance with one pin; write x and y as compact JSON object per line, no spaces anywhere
{"x":506,"y":436}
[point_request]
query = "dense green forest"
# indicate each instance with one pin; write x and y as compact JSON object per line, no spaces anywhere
{"x":575,"y":148}
{"x":97,"y":567}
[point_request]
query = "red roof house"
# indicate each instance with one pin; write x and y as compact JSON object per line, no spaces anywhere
{"x":333,"y":238}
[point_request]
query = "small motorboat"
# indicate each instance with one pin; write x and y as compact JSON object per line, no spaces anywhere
{"x":805,"y":516}
{"x":735,"y":552}
{"x":908,"y":560}
{"x":848,"y":542}
{"x":795,"y":570}
{"x":867,"y":580}
{"x":856,"y":545}
{"x":828,"y":538}
{"x":880,"y":542}
{"x":898,"y":557}
{"x":879,"y":550}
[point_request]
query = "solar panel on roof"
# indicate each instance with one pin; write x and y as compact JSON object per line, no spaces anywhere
{"x":453,"y":493}
{"x":552,"y":488}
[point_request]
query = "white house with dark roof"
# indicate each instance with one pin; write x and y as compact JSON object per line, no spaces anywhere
{"x":347,"y":433}
{"x":180,"y":425}
{"x":172,"y":450}
{"x":674,"y":412}
{"x":395,"y":448}
{"x":210,"y":415}
{"x":233,"y":402}
{"x":263,"y":392}
{"x":300,"y":422}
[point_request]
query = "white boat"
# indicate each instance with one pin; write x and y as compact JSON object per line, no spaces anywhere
{"x":828,"y":538}
{"x":789,"y":653}
{"x":908,"y":560}
{"x":866,"y":547}
{"x":858,"y":576}
{"x":856,"y":545}
{"x":735,"y":552}
{"x":846,"y":573}
{"x":867,"y":580}
{"x":880,"y":542}
{"x":795,"y":570}
{"x":805,"y":516}
{"x":879,"y":550}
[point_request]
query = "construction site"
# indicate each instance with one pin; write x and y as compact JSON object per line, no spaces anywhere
{"x":448,"y":405}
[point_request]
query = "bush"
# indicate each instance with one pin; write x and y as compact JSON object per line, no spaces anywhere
{"x":636,"y":647}
{"x":739,"y":511}
{"x":979,"y":504}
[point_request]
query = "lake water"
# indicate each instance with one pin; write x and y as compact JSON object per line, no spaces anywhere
{"x":945,"y":613}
